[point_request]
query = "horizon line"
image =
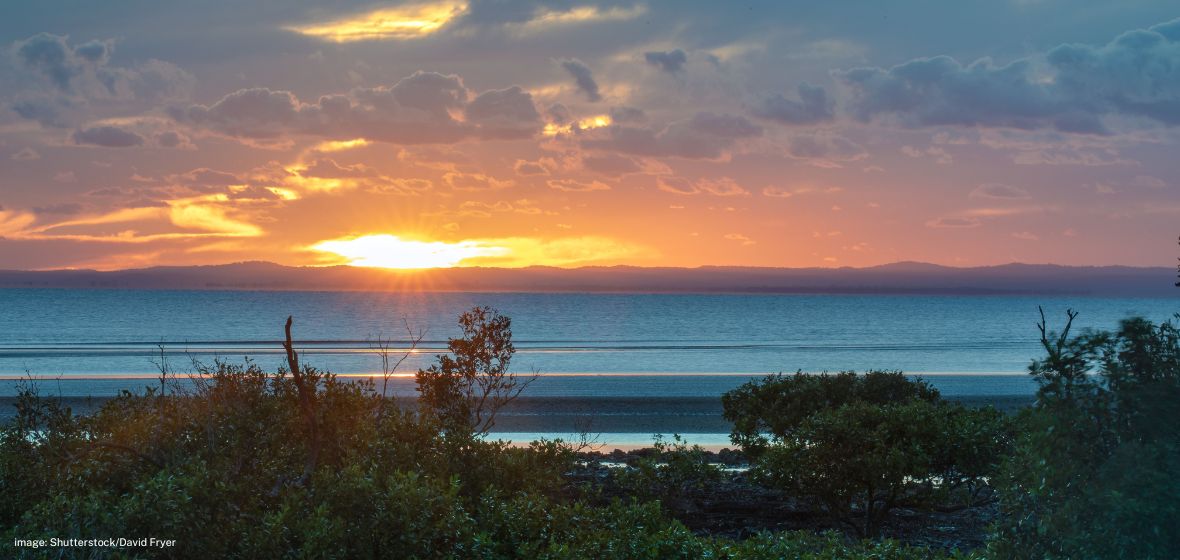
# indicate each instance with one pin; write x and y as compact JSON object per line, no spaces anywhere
{"x":589,"y":266}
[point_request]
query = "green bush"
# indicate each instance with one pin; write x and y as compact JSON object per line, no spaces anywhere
{"x":299,"y":464}
{"x":858,"y":446}
{"x":775,"y":406}
{"x":829,"y":546}
{"x":1094,"y":467}
{"x":467,"y":387}
{"x":674,"y":474}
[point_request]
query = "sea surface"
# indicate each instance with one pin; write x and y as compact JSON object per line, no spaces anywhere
{"x":97,"y":342}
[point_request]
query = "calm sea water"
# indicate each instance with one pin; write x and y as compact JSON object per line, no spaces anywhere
{"x":99,"y":341}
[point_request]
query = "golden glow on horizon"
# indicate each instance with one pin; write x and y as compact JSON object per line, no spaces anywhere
{"x":588,"y":123}
{"x":391,"y":251}
{"x":403,"y":22}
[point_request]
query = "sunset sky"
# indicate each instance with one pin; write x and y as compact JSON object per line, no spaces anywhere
{"x":650,"y":133}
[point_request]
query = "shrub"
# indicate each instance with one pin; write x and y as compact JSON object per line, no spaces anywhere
{"x":800,"y":545}
{"x":859,"y":446}
{"x":249,"y":464}
{"x":674,"y":474}
{"x":778,"y":404}
{"x":1093,"y":472}
{"x":467,"y":387}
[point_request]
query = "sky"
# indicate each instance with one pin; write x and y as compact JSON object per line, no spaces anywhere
{"x":569,"y":133}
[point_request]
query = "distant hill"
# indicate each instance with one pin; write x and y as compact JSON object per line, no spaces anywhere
{"x":896,"y":278}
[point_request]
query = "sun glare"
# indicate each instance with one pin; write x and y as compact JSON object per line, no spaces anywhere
{"x":403,"y":22}
{"x":391,"y":251}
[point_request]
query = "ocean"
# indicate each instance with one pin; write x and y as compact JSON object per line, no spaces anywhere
{"x":96,"y":342}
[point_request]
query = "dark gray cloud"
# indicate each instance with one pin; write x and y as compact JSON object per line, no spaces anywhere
{"x":59,"y":85}
{"x":623,"y":114}
{"x":107,"y":137}
{"x":704,"y":136}
{"x":1137,"y":74}
{"x":171,"y":139}
{"x":52,"y":57}
{"x":941,"y":91}
{"x":559,"y":114}
{"x":583,"y":77}
{"x":84,"y":70}
{"x":672,"y":61}
{"x":257,"y":112}
{"x":94,"y":52}
{"x":415,"y":110}
{"x":503,"y":113}
{"x":48,"y":110}
{"x":611,"y":165}
{"x":813,"y":107}
{"x":204,"y":176}
{"x":825,"y":150}
{"x":430,"y":92}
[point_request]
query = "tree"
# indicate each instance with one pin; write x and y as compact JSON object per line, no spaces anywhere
{"x":858,"y":446}
{"x":467,"y":388}
{"x":1093,"y":471}
{"x":776,"y":405}
{"x":382,"y":347}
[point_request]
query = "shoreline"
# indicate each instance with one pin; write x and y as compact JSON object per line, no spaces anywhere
{"x":625,"y":423}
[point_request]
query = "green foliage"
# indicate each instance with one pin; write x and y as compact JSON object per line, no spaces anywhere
{"x":777,"y":405}
{"x":829,"y":546}
{"x":673,"y":474}
{"x":861,"y":445}
{"x":36,"y":440}
{"x":467,"y":387}
{"x":250,"y":464}
{"x":299,"y":464}
{"x":1093,"y":471}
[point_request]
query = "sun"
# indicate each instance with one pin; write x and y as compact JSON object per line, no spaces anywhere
{"x":391,"y":251}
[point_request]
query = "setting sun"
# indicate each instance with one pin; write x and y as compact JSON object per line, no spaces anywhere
{"x":391,"y":251}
